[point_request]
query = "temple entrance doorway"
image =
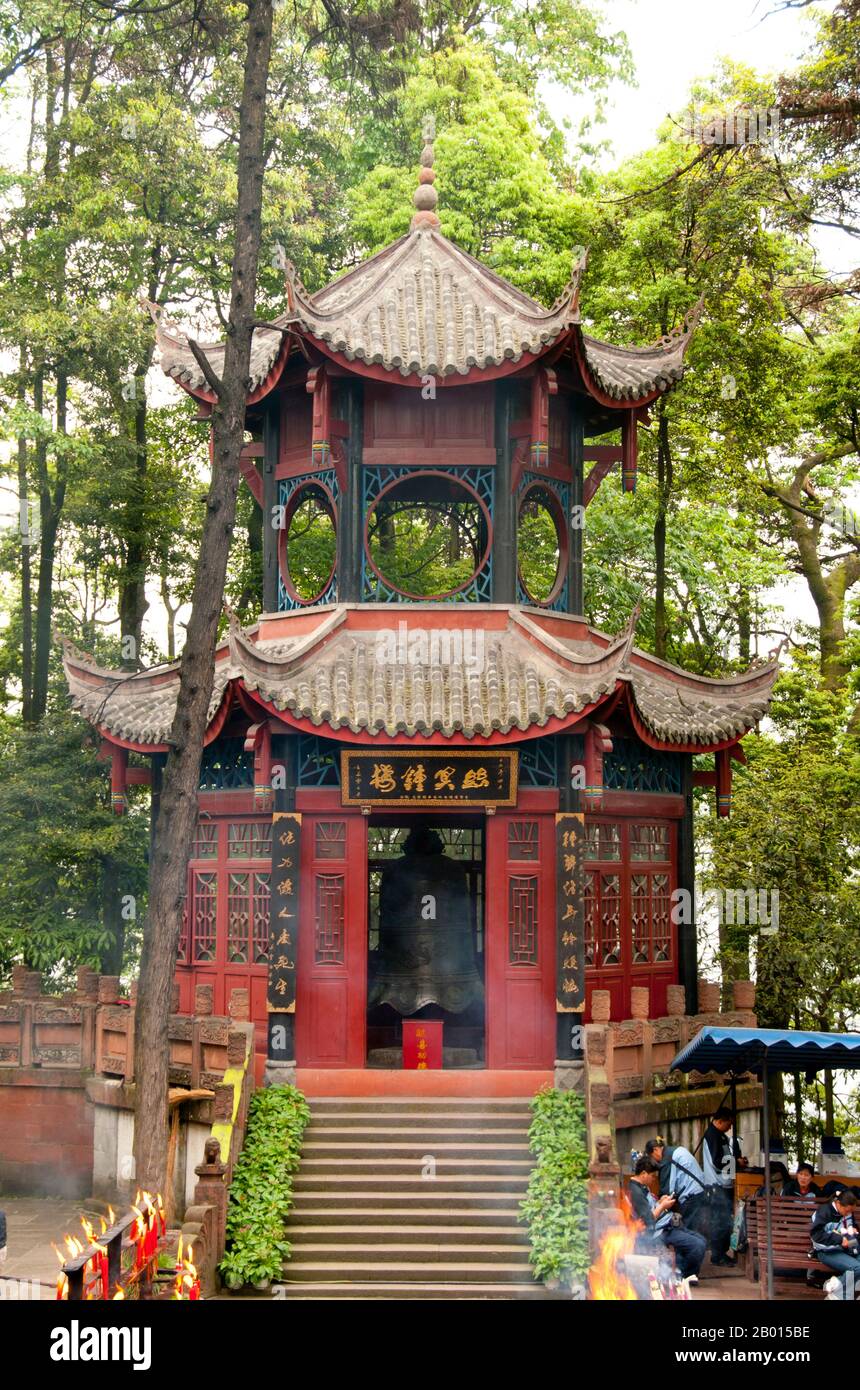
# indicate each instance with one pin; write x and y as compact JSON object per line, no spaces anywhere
{"x":426,"y":944}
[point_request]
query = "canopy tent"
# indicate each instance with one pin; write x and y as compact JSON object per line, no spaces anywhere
{"x":765,"y":1050}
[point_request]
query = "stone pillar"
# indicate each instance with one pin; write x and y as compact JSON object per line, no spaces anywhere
{"x":709,"y":997}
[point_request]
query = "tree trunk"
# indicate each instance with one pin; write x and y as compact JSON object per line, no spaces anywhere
{"x":132,"y":585}
{"x":26,"y":541}
{"x":51,"y":504}
{"x":178,"y":806}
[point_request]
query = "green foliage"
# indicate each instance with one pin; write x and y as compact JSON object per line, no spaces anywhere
{"x":261,"y":1193}
{"x":795,"y":829}
{"x":65,"y":857}
{"x":556,"y":1205}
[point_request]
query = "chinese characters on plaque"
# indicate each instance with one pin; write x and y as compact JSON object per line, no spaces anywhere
{"x":570,"y":920}
{"x":448,"y":777}
{"x":284,"y":911}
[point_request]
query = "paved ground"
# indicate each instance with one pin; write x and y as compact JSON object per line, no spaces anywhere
{"x":33,"y":1222}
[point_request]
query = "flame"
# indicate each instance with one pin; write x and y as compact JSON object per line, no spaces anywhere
{"x":606,"y":1279}
{"x":111,"y":1216}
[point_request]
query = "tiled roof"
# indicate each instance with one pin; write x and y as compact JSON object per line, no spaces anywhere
{"x":422,"y":306}
{"x":516,"y":677}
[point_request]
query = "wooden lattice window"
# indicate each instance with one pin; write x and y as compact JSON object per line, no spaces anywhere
{"x":330,"y":840}
{"x":260,"y":900}
{"x":523,"y":920}
{"x":603,"y":908}
{"x":249,"y":840}
{"x":650,"y":899}
{"x":328,"y":922}
{"x":182,"y":953}
{"x":204,"y":897}
{"x":649,"y":843}
{"x":247,"y":918}
{"x":522,"y":839}
{"x":238,"y":918}
{"x":603,"y":841}
{"x":205,"y":840}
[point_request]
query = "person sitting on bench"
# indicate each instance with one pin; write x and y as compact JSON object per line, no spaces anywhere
{"x":801,"y":1185}
{"x":780,"y":1182}
{"x":836,"y":1243}
{"x":663,"y":1225}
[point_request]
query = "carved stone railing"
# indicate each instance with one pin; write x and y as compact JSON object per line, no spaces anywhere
{"x":91,"y":1029}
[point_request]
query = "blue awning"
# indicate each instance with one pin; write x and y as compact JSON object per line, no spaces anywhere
{"x":744,"y":1049}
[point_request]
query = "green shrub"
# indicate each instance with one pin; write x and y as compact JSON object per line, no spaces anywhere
{"x":261,"y":1193}
{"x":556,"y":1204}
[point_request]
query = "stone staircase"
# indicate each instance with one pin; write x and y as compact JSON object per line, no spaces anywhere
{"x":369,"y":1221}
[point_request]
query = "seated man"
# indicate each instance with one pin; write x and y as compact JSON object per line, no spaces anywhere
{"x":836,"y":1244}
{"x":655,"y":1215}
{"x":680,"y":1176}
{"x":801,"y":1185}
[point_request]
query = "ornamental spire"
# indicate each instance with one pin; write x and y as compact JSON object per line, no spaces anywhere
{"x":425,"y":196}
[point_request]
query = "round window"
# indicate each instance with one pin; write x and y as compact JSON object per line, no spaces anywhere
{"x":541,"y":544}
{"x":308,"y":543}
{"x":427,"y":536}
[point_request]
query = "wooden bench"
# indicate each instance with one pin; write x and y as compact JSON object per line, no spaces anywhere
{"x":791,"y":1221}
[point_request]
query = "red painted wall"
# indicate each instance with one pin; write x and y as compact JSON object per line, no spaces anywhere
{"x":46,"y":1134}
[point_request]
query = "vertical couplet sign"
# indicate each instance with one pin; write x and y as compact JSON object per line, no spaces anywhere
{"x":284,"y":912}
{"x":422,"y":1044}
{"x":570,"y":915}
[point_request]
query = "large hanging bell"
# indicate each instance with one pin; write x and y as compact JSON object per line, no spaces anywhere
{"x":426,"y":949}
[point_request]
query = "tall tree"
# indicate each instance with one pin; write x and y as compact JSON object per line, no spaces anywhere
{"x":178,"y":810}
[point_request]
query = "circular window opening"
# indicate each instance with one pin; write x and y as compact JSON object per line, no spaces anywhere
{"x":427,"y":536}
{"x":541,"y":544}
{"x":308,"y":543}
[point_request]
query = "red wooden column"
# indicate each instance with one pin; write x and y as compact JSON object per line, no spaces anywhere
{"x":520,"y":941}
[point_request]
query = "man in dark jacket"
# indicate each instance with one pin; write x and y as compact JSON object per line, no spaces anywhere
{"x":836,"y":1243}
{"x":2,"y":1237}
{"x":720,"y":1155}
{"x":655,"y":1213}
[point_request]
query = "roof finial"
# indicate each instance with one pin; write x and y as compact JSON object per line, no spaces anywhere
{"x":425,"y":196}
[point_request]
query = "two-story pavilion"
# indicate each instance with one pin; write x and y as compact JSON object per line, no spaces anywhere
{"x":423,"y":453}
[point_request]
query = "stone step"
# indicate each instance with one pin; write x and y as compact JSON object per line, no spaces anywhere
{"x":406,"y":1252}
{"x":478,"y":1202}
{"x":359,"y":1290}
{"x":375,"y":1165}
{"x":338,"y":1179}
{"x":408,"y":1148}
{"x":401,"y":1271}
{"x":310,"y":1215}
{"x":499,"y":1121}
{"x":404,"y":1235}
{"x":392,"y":1105}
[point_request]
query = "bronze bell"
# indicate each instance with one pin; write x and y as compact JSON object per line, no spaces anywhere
{"x":426,"y":951}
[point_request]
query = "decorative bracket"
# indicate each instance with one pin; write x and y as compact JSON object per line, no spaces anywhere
{"x":326,"y":432}
{"x":598,"y":741}
{"x":258,"y":740}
